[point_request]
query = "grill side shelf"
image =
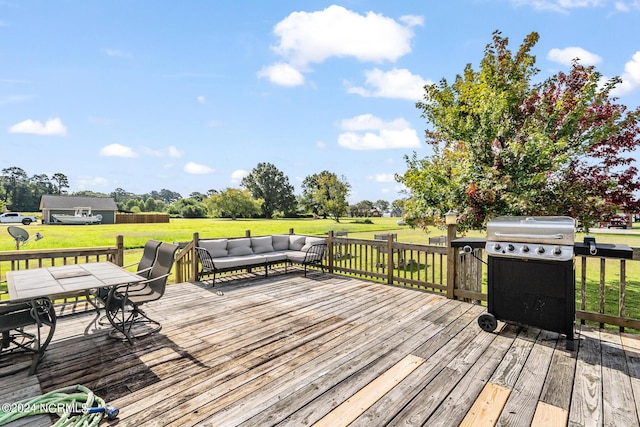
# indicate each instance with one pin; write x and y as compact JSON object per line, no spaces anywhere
{"x":606,"y":250}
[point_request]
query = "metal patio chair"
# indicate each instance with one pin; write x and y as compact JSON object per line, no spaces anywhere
{"x":27,"y":327}
{"x":148,"y":258}
{"x":98,"y":297}
{"x":122,"y":305}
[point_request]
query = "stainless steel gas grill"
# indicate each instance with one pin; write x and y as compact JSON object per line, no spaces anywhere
{"x":531,"y":278}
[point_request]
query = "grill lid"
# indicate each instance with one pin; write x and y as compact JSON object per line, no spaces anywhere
{"x":556,"y":230}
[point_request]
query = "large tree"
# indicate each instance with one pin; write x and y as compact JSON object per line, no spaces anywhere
{"x":16,"y":195}
{"x":233,"y":202}
{"x":325,"y":194}
{"x":271,"y":185}
{"x":504,"y":145}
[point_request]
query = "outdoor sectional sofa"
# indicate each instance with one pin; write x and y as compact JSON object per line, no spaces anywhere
{"x":220,"y":255}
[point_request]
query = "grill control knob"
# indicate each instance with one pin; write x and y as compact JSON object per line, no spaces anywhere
{"x":557,"y":250}
{"x":497,"y":247}
{"x":525,"y":249}
{"x":511,"y":248}
{"x":540,"y":249}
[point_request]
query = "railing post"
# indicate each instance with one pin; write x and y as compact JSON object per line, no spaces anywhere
{"x":330,"y":251}
{"x":451,"y":260}
{"x":623,"y":290}
{"x":247,"y":233}
{"x":194,"y":257}
{"x":390,"y":263}
{"x":291,"y":231}
{"x":120,"y":254}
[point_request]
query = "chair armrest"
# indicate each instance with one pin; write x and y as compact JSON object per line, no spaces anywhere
{"x":315,"y":253}
{"x":205,"y":258}
{"x":139,"y":286}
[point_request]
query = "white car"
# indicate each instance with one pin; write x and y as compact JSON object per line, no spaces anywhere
{"x":15,"y":217}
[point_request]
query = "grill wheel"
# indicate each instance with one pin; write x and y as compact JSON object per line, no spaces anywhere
{"x":488,"y":322}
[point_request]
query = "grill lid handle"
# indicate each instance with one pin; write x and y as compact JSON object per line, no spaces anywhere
{"x":530,"y":236}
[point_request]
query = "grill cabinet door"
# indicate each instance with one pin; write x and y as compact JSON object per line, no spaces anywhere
{"x":533,"y":293}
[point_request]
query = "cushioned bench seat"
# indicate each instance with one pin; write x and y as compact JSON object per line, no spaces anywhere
{"x":220,"y":255}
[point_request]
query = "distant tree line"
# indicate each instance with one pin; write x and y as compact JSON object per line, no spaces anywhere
{"x":20,"y":192}
{"x":266,"y":192}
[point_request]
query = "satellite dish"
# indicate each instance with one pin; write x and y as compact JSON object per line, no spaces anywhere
{"x":20,"y":234}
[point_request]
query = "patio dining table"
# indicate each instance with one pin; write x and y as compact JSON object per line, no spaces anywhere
{"x":40,"y":287}
{"x":59,"y":281}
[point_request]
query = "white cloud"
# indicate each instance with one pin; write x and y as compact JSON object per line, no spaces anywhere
{"x":174,"y":152}
{"x":202,"y":99}
{"x":367,"y":132}
{"x":562,"y":6}
{"x":170,"y":151}
{"x":307,"y":37}
{"x":282,"y":74}
{"x":51,"y":127}
{"x":313,"y":37}
{"x":397,"y":83}
{"x":412,"y":20}
{"x":118,"y":150}
{"x":117,"y":53}
{"x":197,"y":169}
{"x":237,"y":175}
{"x":567,"y":55}
{"x":627,"y":6}
{"x":384,"y":177}
{"x":214,"y":123}
{"x":630,"y":77}
{"x":321,"y":145}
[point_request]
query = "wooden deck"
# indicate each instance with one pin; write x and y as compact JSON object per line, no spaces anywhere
{"x":329,"y":351}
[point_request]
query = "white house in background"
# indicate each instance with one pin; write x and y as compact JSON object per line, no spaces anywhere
{"x":51,"y":204}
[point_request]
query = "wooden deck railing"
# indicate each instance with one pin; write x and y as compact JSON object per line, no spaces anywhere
{"x":608,"y":296}
{"x":605,"y":293}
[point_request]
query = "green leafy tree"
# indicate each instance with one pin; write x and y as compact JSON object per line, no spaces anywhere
{"x":326,"y":195}
{"x":60,"y":183}
{"x":233,"y":202}
{"x":271,"y":185}
{"x":381,"y":205}
{"x":167,"y":196}
{"x":90,"y":193}
{"x":150,"y":205}
{"x":121,"y":196}
{"x":506,"y":146}
{"x":188,"y":208}
{"x":16,"y":188}
{"x":198,"y":196}
{"x":39,"y":185}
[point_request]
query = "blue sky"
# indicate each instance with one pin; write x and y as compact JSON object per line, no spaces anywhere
{"x":192,"y":95}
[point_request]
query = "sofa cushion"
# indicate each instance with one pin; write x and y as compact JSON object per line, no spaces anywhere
{"x":261,"y":244}
{"x":273,"y":257}
{"x":296,"y":256}
{"x":239,"y":247}
{"x":239,"y":261}
{"x":310,"y":241}
{"x":296,"y":242}
{"x":217,"y":248}
{"x":280,"y":242}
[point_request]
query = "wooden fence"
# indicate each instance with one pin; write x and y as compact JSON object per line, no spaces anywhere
{"x":140,"y":218}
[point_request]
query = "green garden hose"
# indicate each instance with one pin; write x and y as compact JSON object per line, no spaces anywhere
{"x":75,"y":405}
